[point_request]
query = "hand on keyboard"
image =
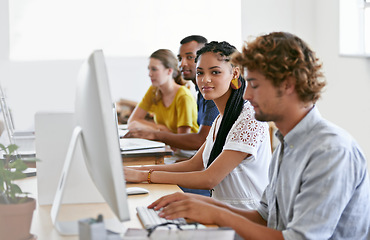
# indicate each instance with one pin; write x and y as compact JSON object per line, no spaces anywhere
{"x":149,"y":218}
{"x":151,"y":221}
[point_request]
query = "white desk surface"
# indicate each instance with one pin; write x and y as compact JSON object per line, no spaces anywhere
{"x":42,"y":226}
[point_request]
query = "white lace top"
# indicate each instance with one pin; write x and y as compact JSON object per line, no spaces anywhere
{"x":244,"y":185}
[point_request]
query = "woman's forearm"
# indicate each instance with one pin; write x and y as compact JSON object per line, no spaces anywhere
{"x":194,"y":179}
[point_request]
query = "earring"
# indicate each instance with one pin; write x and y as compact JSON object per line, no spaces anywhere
{"x":235,"y":83}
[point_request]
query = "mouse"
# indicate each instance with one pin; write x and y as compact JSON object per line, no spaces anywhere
{"x":136,"y":190}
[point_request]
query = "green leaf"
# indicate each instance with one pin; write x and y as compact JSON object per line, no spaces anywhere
{"x":2,"y":185}
{"x":22,"y":200}
{"x":31,"y":160}
{"x":14,"y":189}
{"x":10,"y":171}
{"x":3,"y":148}
{"x":19,"y":165}
{"x":8,"y":176}
{"x":17,"y":175}
{"x":12,"y":148}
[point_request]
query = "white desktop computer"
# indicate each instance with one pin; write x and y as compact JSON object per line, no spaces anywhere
{"x":24,"y":139}
{"x":96,"y":131}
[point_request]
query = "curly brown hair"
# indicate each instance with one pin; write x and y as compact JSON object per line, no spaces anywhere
{"x":279,"y":55}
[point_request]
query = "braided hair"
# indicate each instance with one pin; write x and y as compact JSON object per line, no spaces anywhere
{"x":234,"y":104}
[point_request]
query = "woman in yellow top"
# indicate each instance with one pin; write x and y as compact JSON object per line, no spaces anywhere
{"x":172,"y":104}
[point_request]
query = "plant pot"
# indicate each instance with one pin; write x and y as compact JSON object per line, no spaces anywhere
{"x":16,"y":219}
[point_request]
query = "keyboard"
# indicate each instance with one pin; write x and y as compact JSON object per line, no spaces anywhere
{"x":149,"y":218}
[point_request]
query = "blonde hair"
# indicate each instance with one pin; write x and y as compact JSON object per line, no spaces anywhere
{"x":169,"y":60}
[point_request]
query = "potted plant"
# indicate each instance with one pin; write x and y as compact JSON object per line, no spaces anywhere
{"x":16,"y":208}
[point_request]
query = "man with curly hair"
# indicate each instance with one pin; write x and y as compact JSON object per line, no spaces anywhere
{"x":318,"y":182}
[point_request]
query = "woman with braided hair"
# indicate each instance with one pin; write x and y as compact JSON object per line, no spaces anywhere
{"x":233,"y":162}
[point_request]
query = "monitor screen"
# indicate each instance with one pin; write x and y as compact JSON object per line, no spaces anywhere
{"x":97,"y":131}
{"x":93,"y":111}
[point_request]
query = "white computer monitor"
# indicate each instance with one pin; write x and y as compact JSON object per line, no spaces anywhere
{"x":25,"y":140}
{"x":97,"y":130}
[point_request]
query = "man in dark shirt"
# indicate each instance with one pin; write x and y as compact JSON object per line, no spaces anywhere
{"x":207,"y":110}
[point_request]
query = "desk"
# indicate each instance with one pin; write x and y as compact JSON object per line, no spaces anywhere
{"x":149,"y":156}
{"x":44,"y":229}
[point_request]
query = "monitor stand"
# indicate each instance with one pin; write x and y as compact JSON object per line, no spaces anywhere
{"x":71,"y":227}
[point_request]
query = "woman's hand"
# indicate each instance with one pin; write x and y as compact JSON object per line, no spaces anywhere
{"x":132,"y":175}
{"x":142,"y":125}
{"x":140,"y":133}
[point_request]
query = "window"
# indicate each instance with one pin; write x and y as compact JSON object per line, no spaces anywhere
{"x":354,"y":26}
{"x":367,"y":27}
{"x":70,"y":29}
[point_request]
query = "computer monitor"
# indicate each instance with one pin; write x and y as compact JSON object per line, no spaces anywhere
{"x":97,"y":130}
{"x":25,"y":140}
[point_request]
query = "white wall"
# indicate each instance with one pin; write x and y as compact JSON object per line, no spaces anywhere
{"x":346,"y":101}
{"x":39,"y":86}
{"x":45,"y":86}
{"x":4,"y":40}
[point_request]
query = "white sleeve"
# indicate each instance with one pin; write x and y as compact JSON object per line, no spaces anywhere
{"x":247,"y":133}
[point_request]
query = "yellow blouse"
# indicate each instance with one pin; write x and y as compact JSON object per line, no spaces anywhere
{"x":181,"y":112}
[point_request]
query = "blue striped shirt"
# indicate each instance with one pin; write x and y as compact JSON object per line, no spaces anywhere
{"x":321,"y":188}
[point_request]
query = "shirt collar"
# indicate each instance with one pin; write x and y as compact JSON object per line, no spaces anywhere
{"x":302,"y":128}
